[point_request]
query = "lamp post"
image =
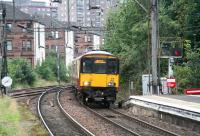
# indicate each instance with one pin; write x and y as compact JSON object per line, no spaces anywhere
{"x":3,"y":46}
{"x":154,"y":43}
{"x":58,"y":64}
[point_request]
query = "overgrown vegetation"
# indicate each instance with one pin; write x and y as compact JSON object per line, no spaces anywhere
{"x":48,"y":69}
{"x":24,"y":75}
{"x":21,"y":72}
{"x":126,"y":37}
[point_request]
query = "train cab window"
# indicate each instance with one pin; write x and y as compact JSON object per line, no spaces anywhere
{"x":112,"y":66}
{"x":99,"y":66}
{"x":87,"y":66}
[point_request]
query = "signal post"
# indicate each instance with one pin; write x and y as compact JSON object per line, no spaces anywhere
{"x":171,"y":48}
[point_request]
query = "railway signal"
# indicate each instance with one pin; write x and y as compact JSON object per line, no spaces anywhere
{"x":177,"y":52}
{"x":171,"y":49}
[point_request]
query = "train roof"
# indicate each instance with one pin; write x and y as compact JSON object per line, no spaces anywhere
{"x":98,"y":52}
{"x":94,"y":52}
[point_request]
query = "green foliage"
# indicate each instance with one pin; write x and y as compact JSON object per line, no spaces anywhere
{"x":21,"y":72}
{"x":9,"y":117}
{"x":194,"y":64}
{"x":126,"y":37}
{"x":188,"y":75}
{"x":182,"y":74}
{"x":17,"y":120}
{"x":48,"y":68}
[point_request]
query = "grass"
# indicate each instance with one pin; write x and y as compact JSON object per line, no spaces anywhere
{"x":16,"y":120}
{"x":9,"y":117}
{"x":38,"y":83}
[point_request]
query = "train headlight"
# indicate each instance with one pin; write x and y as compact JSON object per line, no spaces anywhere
{"x":86,"y":83}
{"x":111,"y":84}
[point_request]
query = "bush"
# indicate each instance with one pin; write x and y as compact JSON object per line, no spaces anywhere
{"x":182,"y":74}
{"x":45,"y":72}
{"x":21,"y":72}
{"x":188,"y":75}
{"x":48,"y":69}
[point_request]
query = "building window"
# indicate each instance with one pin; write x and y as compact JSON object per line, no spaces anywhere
{"x":87,"y":38}
{"x":26,"y":45}
{"x":88,"y":19}
{"x":103,"y":41}
{"x":9,"y":45}
{"x":97,"y":2}
{"x":8,"y":27}
{"x":53,"y":35}
{"x":56,"y":35}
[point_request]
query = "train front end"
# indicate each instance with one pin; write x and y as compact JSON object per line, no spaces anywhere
{"x":99,"y":77}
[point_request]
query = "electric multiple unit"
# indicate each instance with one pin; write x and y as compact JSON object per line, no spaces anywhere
{"x":96,"y":77}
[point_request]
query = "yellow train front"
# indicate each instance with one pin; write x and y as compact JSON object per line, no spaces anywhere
{"x":96,"y":77}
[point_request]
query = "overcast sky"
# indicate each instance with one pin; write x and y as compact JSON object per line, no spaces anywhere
{"x":32,"y":0}
{"x":42,"y":0}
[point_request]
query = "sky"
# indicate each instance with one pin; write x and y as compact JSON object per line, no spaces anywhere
{"x":48,"y":1}
{"x":32,"y":0}
{"x":42,"y":0}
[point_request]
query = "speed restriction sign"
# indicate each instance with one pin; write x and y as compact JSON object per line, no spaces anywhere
{"x":6,"y":81}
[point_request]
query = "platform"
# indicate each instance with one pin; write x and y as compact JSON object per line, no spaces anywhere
{"x":187,"y":106}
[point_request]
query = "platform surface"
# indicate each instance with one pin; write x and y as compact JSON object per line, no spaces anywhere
{"x":182,"y":105}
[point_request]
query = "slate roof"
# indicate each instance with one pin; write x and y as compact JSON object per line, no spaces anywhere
{"x":17,"y":14}
{"x":48,"y":21}
{"x":52,"y":23}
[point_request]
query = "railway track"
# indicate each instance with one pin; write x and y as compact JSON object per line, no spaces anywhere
{"x":125,"y":129}
{"x":132,"y":125}
{"x":51,"y":113}
{"x":31,"y":91}
{"x":147,"y":125}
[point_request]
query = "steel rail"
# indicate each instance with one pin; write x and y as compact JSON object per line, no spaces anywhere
{"x":33,"y":88}
{"x":40,"y":115}
{"x":116,"y":124}
{"x":35,"y":91}
{"x":86,"y":131}
{"x":27,"y":94}
{"x":146,"y":124}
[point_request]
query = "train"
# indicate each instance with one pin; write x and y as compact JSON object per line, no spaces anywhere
{"x":95,"y":77}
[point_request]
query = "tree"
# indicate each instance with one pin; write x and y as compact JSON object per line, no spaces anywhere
{"x":48,"y":68}
{"x":126,"y":37}
{"x":21,"y":71}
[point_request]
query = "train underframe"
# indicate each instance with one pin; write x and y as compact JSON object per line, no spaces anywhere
{"x":90,"y":95}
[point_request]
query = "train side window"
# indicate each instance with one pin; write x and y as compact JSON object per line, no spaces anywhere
{"x":87,"y":66}
{"x":112,"y":67}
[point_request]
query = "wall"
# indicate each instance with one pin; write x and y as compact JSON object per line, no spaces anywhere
{"x":39,"y":43}
{"x":69,"y":39}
